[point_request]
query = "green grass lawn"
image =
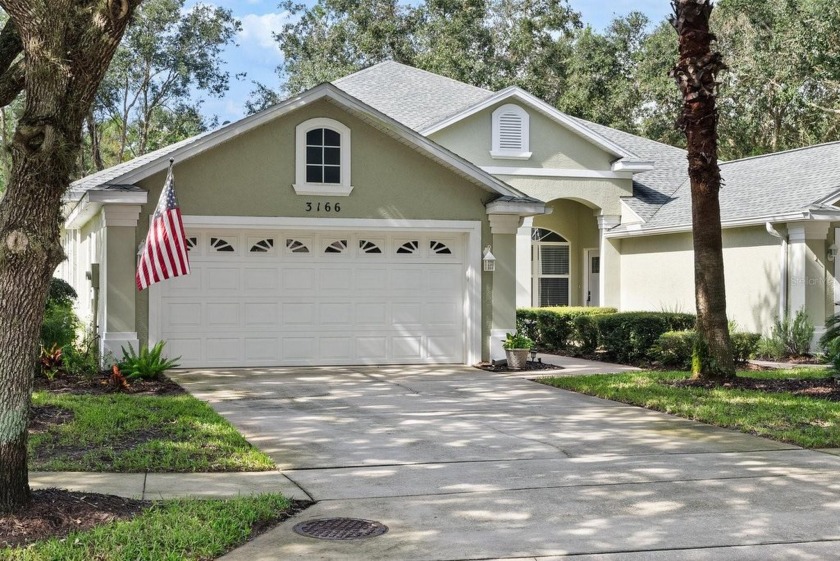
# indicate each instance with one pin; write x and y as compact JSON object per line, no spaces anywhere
{"x":132,"y":433}
{"x":804,"y":421}
{"x":170,"y":530}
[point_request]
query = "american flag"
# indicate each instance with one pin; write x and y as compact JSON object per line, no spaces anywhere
{"x":165,"y":251}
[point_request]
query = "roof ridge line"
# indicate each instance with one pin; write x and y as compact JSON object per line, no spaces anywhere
{"x":788,"y":151}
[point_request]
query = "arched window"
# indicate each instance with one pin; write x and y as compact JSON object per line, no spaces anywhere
{"x":322,"y":159}
{"x":511,"y":132}
{"x":551,"y":268}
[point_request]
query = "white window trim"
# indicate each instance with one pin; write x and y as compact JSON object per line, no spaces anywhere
{"x":300,"y":186}
{"x":499,"y":153}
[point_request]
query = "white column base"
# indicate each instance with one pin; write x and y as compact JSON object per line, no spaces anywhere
{"x":819,"y":331}
{"x":111,"y":345}
{"x":497,"y":338}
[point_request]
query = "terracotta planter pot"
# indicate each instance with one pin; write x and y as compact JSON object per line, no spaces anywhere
{"x":516,"y":358}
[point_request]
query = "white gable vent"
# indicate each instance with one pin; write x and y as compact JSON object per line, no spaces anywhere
{"x":510,"y":133}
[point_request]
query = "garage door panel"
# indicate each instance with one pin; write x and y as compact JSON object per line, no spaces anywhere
{"x":299,"y":313}
{"x":373,"y":348}
{"x":188,"y":349}
{"x":407,"y":314}
{"x":220,"y":350}
{"x":181,"y":315}
{"x":280,"y":307}
{"x":223,"y":314}
{"x":261,"y":314}
{"x":443,"y":314}
{"x":371,"y":314}
{"x":336,"y":348}
{"x":407,"y":348}
{"x":260,"y":280}
{"x":296,"y":278}
{"x":300,"y":348}
{"x":222,"y":279}
{"x":187,"y":284}
{"x":262,"y":350}
{"x":406,"y":279}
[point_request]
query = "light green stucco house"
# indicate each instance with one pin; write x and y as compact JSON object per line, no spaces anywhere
{"x":349,"y":225}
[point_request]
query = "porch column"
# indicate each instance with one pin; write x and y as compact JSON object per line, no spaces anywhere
{"x":503,"y":227}
{"x":807,"y":275}
{"x":609,"y":281}
{"x":118,"y":291}
{"x":524,"y":269}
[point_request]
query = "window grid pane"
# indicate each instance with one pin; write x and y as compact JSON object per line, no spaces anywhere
{"x":323,"y":156}
{"x":554,"y":292}
{"x":554,"y":259}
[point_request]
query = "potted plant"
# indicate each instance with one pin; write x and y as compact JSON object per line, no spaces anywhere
{"x":517,"y":348}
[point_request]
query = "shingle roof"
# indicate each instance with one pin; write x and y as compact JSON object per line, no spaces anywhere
{"x":102,"y":179}
{"x":763,"y":186}
{"x":413,"y":97}
{"x":651,"y":189}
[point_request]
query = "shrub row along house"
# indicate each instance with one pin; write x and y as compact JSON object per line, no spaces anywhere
{"x":349,"y":225}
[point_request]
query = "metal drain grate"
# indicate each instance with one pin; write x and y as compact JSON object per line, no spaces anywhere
{"x":340,"y":528}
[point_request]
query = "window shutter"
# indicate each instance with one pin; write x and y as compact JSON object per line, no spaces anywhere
{"x":554,"y":292}
{"x":510,"y":132}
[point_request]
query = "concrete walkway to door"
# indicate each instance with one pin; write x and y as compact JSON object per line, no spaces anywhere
{"x":464,"y":464}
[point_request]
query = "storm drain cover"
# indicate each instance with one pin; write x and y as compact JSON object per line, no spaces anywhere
{"x":340,"y":528}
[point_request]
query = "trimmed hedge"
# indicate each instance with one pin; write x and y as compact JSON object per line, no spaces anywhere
{"x":629,"y":337}
{"x":553,"y":328}
{"x":675,"y":348}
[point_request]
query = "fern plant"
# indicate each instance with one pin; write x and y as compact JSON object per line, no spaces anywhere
{"x":147,"y":364}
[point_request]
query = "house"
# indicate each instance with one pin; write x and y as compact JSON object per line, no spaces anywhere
{"x":349,"y":225}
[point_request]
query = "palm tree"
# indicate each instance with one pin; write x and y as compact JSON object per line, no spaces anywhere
{"x":696,"y":76}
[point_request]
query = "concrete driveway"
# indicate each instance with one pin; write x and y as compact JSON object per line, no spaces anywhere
{"x":464,"y":464}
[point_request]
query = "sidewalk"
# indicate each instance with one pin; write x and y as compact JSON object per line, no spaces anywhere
{"x":571,"y":366}
{"x":154,"y":486}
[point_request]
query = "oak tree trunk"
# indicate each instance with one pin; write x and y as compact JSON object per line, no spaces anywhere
{"x":696,"y":75}
{"x":67,"y":46}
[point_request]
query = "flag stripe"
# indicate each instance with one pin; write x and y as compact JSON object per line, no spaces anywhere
{"x":164,"y":252}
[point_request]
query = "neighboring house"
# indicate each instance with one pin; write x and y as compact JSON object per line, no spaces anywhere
{"x":347,"y":225}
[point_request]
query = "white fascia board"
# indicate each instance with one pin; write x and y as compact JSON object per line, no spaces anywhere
{"x":557,"y":172}
{"x":92,"y":201}
{"x":539,"y":105}
{"x":324,"y":91}
{"x":633,"y":166}
{"x":829,"y":199}
{"x":519,"y":208}
{"x":634,"y":230}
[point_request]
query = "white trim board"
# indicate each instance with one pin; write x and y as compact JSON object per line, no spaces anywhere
{"x":558,"y":172}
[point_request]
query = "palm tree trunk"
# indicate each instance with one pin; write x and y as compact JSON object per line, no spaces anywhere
{"x":696,"y":76}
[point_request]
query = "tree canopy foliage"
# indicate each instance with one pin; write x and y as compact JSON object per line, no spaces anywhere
{"x":781,"y":91}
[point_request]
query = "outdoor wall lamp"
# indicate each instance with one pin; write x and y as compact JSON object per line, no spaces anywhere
{"x":489,"y":260}
{"x":832,"y":251}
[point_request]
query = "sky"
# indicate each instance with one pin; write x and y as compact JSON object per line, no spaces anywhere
{"x":257,"y":55}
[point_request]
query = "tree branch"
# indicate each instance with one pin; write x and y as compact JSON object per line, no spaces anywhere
{"x":11,"y":83}
{"x":10,"y":45}
{"x":823,"y":109}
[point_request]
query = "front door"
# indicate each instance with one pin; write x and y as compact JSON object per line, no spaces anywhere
{"x":593,"y":277}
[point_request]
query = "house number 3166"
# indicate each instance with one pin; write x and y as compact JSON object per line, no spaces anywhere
{"x":326,"y":207}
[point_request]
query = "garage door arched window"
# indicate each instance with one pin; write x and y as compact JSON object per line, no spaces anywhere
{"x":322,"y":158}
{"x":551,"y":268}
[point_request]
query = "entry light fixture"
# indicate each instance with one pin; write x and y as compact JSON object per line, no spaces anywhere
{"x":832,"y":251}
{"x":489,"y":260}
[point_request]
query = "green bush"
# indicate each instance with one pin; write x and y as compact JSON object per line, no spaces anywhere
{"x":553,"y":328}
{"x":60,"y":323}
{"x":629,"y":337}
{"x":146,"y":364}
{"x":82,"y":358}
{"x":830,"y":341}
{"x":586,"y":334}
{"x":744,"y":346}
{"x":788,"y":337}
{"x":674,"y":349}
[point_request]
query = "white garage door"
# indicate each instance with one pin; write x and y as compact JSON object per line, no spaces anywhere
{"x":300,"y":298}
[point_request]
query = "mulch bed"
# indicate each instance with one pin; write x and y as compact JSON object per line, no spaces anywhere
{"x":529,"y":366}
{"x":56,"y":513}
{"x":101,"y":384}
{"x":819,"y":388}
